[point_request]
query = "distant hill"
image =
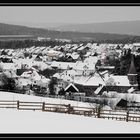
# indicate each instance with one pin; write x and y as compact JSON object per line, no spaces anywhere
{"x":122,"y":27}
{"x":9,"y":29}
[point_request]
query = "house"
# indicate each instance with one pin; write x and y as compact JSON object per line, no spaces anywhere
{"x":44,"y":52}
{"x":119,"y":83}
{"x":74,"y":48}
{"x":62,"y":65}
{"x":92,"y":60}
{"x":63,"y":77}
{"x":128,"y":46}
{"x":136,"y":46}
{"x":3,"y":79}
{"x":66,"y":76}
{"x":72,"y":73}
{"x":23,"y":84}
{"x":35,"y":78}
{"x":9,"y":69}
{"x":84,"y":68}
{"x":6,"y":59}
{"x":73,"y":57}
{"x":87,"y":54}
{"x":97,"y":83}
{"x":38,"y":58}
{"x":40,"y":65}
{"x":89,"y":84}
{"x":53,"y":54}
{"x":103,"y":81}
{"x":24,"y":63}
{"x":82,"y":49}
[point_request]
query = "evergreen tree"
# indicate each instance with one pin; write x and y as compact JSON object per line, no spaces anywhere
{"x":52,"y":84}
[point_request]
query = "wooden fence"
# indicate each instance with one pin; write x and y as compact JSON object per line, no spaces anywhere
{"x":64,"y":108}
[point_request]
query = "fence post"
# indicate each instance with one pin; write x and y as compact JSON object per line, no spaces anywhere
{"x":17,"y":104}
{"x":127,"y":116}
{"x":43,"y":106}
{"x":98,"y":112}
{"x":69,"y":108}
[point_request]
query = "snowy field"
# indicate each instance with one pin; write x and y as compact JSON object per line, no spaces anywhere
{"x":15,"y":121}
{"x":32,"y":98}
{"x":19,"y":121}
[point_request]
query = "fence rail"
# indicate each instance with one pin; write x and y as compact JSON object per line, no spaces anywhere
{"x":67,"y":108}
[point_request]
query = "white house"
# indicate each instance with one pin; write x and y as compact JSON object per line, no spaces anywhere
{"x":35,"y":78}
{"x":136,"y":46}
{"x":84,"y":68}
{"x":62,"y":65}
{"x":9,"y":69}
{"x":22,"y":83}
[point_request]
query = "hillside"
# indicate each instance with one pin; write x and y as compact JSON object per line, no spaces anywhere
{"x":28,"y":121}
{"x":8,"y":29}
{"x":123,"y":27}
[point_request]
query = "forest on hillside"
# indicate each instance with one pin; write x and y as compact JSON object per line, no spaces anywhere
{"x":9,"y":29}
{"x":15,"y":44}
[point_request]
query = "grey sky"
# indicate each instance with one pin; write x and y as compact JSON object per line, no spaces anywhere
{"x":68,"y":14}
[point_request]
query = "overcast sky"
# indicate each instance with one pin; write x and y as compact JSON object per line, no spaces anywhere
{"x":68,"y":14}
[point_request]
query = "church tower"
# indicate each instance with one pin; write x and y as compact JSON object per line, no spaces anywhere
{"x":132,"y":74}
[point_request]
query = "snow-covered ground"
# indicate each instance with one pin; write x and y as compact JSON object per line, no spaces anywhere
{"x":15,"y":121}
{"x":19,"y":121}
{"x":32,"y":98}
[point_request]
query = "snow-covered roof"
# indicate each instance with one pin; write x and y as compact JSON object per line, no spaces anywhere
{"x":57,"y":75}
{"x":91,"y":60}
{"x":26,"y":74}
{"x":97,"y":91}
{"x":35,"y":76}
{"x":52,"y":52}
{"x":45,"y":51}
{"x":94,"y":81}
{"x":128,"y":46}
{"x":82,"y":66}
{"x":70,"y":72}
{"x":81,"y":48}
{"x":24,"y":82}
{"x":45,"y":80}
{"x":31,"y":74}
{"x":7,"y":66}
{"x":63,"y":77}
{"x":24,"y":61}
{"x":62,"y":65}
{"x":72,"y":86}
{"x":106,"y":67}
{"x":121,"y":80}
{"x":74,"y":56}
{"x":136,"y":44}
{"x":87,"y":54}
{"x":41,"y":65}
{"x":75,"y":47}
{"x":89,"y":81}
{"x":106,"y":107}
{"x":131,"y":90}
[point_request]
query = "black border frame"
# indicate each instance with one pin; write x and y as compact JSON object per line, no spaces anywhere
{"x":69,"y":135}
{"x":69,"y":3}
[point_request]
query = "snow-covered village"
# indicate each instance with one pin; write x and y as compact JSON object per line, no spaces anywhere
{"x":66,"y":80}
